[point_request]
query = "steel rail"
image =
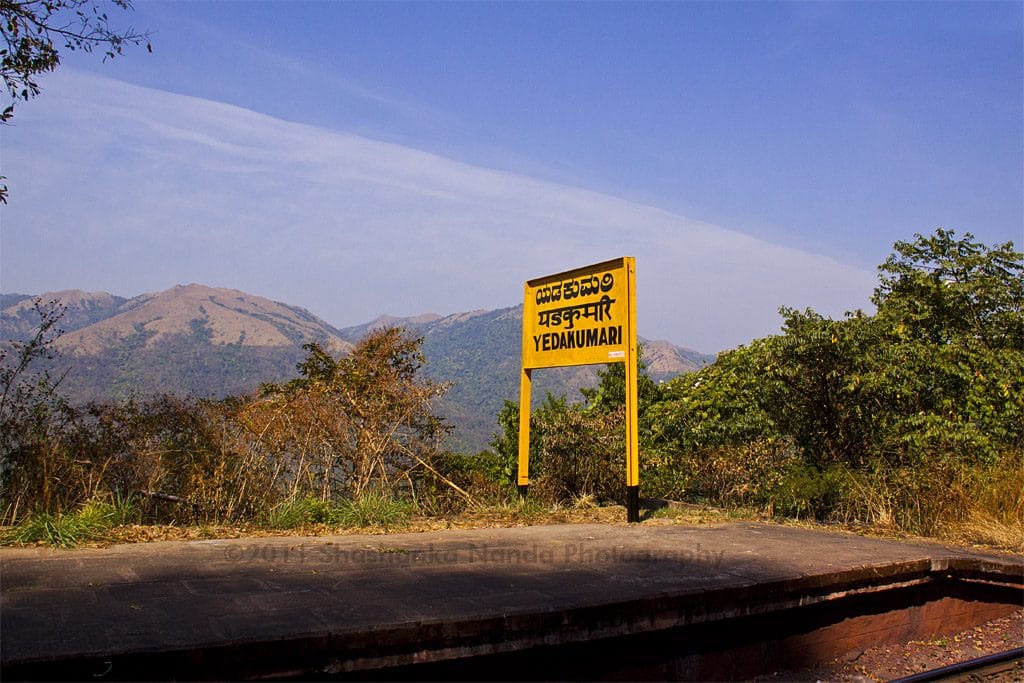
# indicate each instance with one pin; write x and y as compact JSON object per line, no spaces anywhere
{"x":972,"y":669}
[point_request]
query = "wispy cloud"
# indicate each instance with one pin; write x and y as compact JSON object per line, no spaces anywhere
{"x":128,"y":189}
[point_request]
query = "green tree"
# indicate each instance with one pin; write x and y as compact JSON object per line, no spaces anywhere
{"x":725,"y":403}
{"x":933,"y":383}
{"x":949,"y":373}
{"x":812,"y":385}
{"x":34,"y":31}
{"x":714,"y":435}
{"x":610,"y":392}
{"x":506,"y":441}
{"x":940,"y":289}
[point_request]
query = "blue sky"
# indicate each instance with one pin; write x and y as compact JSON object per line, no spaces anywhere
{"x":367,"y":158}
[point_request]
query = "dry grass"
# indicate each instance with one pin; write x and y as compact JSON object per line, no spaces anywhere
{"x":980,"y":530}
{"x":993,"y":507}
{"x":512,"y":514}
{"x":987,"y":530}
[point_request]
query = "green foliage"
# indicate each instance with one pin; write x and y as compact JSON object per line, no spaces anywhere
{"x":578,"y":450}
{"x":747,"y":475}
{"x":506,"y":441}
{"x":805,"y":491}
{"x":941,"y":290}
{"x":117,"y":510}
{"x":610,"y":393}
{"x":289,"y":514}
{"x":582,"y":453}
{"x":719,"y":405}
{"x":929,"y":388}
{"x":59,"y":530}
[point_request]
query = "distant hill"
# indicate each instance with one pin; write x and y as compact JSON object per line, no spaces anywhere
{"x":190,"y":339}
{"x":19,"y":318}
{"x":221,"y":317}
{"x":214,"y":343}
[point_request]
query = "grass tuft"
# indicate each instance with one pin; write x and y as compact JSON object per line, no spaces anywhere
{"x":289,"y":514}
{"x":373,"y":509}
{"x":70,"y":529}
{"x":58,"y":530}
{"x":584,"y":501}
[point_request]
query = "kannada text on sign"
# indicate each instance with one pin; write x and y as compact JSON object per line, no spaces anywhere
{"x":576,"y":318}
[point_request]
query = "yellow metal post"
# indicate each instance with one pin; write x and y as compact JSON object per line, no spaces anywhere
{"x":632,"y":402}
{"x":523,"y":477}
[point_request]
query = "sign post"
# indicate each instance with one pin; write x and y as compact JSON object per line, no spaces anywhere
{"x":582,"y":317}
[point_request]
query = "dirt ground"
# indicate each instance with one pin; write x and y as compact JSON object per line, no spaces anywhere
{"x":886,"y":663}
{"x":471,"y":519}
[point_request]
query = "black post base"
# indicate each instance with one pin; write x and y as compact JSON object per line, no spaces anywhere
{"x":523,"y":490}
{"x":632,"y":504}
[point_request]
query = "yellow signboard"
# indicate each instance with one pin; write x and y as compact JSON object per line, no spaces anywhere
{"x":582,"y":317}
{"x":578,"y":318}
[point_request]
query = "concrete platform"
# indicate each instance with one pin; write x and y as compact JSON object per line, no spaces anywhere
{"x":327,"y":606}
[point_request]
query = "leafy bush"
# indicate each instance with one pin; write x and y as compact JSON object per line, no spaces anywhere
{"x":747,"y":475}
{"x":582,"y":452}
{"x":578,"y":450}
{"x":805,"y":491}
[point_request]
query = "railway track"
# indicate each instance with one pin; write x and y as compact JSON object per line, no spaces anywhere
{"x":1002,"y":666}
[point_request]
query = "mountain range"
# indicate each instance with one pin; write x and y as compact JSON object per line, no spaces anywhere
{"x":215,"y":342}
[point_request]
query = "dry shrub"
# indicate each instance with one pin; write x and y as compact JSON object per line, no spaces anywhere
{"x":349,"y":426}
{"x":942,"y":497}
{"x":900,"y":498}
{"x":740,"y":475}
{"x":352,"y":424}
{"x":986,"y":529}
{"x":456,"y":482}
{"x":995,"y":512}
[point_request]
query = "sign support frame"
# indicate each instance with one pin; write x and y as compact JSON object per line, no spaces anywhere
{"x":628,"y":356}
{"x":523,"y":471}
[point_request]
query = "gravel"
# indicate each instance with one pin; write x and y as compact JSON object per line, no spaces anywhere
{"x":888,"y":662}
